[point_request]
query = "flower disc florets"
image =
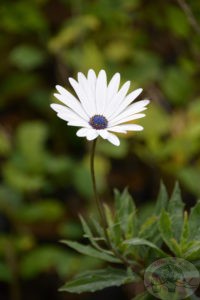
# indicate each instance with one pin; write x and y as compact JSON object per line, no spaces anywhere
{"x":98,"y":122}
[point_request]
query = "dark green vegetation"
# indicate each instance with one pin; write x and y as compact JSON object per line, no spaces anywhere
{"x":45,"y":180}
{"x":136,"y":242}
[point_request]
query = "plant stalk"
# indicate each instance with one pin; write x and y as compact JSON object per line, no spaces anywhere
{"x":101,"y":208}
{"x":97,"y":200}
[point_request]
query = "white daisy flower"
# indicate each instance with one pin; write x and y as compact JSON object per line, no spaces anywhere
{"x":100,"y":108}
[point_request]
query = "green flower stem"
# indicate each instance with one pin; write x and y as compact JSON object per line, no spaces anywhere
{"x":97,"y":200}
{"x":101,"y":209}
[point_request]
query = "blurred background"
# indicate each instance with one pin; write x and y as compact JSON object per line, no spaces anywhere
{"x":45,"y":179}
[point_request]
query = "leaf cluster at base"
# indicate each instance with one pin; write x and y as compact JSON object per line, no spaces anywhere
{"x":135,"y":243}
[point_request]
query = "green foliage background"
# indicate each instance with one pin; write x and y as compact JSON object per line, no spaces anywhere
{"x":45,"y":180}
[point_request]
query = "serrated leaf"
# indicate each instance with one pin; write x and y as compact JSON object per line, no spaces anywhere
{"x":175,"y":209}
{"x":92,"y":281}
{"x":143,"y":242}
{"x":185,"y":232}
{"x":125,"y":213}
{"x":89,"y":234}
{"x":114,"y":233}
{"x":149,"y":230}
{"x":113,"y":230}
{"x":162,"y":199}
{"x":194,"y":218}
{"x":98,"y":228}
{"x":149,"y":227}
{"x":193,"y":252}
{"x":176,"y":247}
{"x":90,"y":251}
{"x":109,"y":215}
{"x":165,"y":227}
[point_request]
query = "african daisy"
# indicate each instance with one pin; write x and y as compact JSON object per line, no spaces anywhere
{"x":100,"y":108}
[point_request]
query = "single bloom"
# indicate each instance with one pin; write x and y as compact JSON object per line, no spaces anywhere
{"x":100,"y":108}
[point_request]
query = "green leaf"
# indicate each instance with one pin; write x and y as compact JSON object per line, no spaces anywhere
{"x":185,"y":232}
{"x":162,"y":199}
{"x":97,"y":226}
{"x":114,"y":229}
{"x":90,"y":251}
{"x":194,"y":218}
{"x":90,"y":236}
{"x":165,"y":227}
{"x":125,"y":213}
{"x":193,"y":252}
{"x":175,"y":209}
{"x":92,"y":281}
{"x":149,"y":227}
{"x":143,"y":242}
{"x":108,"y":215}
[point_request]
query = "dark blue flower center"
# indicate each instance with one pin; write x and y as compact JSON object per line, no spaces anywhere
{"x":98,"y":122}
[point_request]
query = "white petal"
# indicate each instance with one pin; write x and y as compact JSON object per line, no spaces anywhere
{"x":82,"y":132}
{"x":117,"y":129}
{"x":132,"y":109}
{"x":72,"y":122}
{"x":129,"y":127}
{"x":103,"y":133}
{"x":126,"y":119}
{"x":116,"y":100}
{"x":91,"y":134}
{"x":89,"y":92}
{"x":128,"y":99}
{"x":101,"y":89}
{"x":82,"y":96}
{"x":63,"y":117}
{"x":131,"y":97}
{"x":112,"y":138}
{"x":69,"y":100}
{"x":92,"y":80}
{"x":113,"y":86}
{"x":66,"y":112}
{"x":80,"y":123}
{"x":59,"y":108}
